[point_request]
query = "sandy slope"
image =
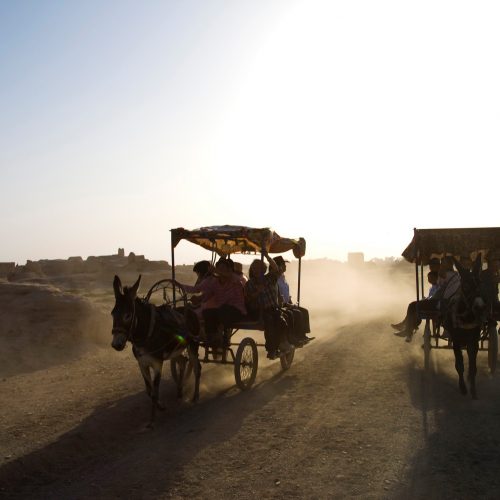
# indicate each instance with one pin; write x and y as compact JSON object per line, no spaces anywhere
{"x":354,"y":417}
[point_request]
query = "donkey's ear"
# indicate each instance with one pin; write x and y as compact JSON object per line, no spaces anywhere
{"x":135,"y":286}
{"x":476,"y":267}
{"x":117,"y":287}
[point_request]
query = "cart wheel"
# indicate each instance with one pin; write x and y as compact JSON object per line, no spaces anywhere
{"x":245,"y":363}
{"x":427,"y":345}
{"x":175,"y":369}
{"x":287,"y":359}
{"x":492,"y":348}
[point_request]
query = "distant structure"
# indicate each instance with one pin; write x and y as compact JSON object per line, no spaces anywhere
{"x":6,"y":268}
{"x":76,"y":265}
{"x":356,"y":259}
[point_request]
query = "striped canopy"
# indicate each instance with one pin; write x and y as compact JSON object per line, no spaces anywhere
{"x":225,"y":240}
{"x":461,"y":242}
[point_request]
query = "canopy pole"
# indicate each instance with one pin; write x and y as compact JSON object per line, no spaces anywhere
{"x":298,"y":286}
{"x":422,"y":278}
{"x":173,"y":264}
{"x":417,"y":257}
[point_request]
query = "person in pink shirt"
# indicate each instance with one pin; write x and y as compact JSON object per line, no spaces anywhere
{"x":223,"y":300}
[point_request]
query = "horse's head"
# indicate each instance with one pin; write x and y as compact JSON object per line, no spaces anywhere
{"x":123,"y":313}
{"x":473,"y":304}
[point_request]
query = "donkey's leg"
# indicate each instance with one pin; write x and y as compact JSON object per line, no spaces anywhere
{"x":182,"y":362}
{"x":472,"y":350}
{"x":157,"y":368}
{"x":195,"y":362}
{"x":146,"y":375}
{"x":459,"y":366}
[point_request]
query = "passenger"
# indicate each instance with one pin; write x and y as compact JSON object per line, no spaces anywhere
{"x":203,"y":269}
{"x":448,"y":282}
{"x":223,"y":300}
{"x":489,"y":278}
{"x":238,"y":270}
{"x":261,"y":293}
{"x":298,"y":317}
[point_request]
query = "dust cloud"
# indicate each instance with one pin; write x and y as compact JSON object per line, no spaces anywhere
{"x":44,"y":324}
{"x":338,"y":294}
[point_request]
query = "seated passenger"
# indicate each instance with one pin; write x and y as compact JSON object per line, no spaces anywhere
{"x":489,"y":278}
{"x":202,"y":269}
{"x":222,"y":302}
{"x":238,"y":270}
{"x":298,"y":317}
{"x":448,"y":282}
{"x":261,"y":293}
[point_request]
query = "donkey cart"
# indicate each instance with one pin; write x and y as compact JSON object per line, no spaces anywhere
{"x":465,"y":244}
{"x":224,"y":241}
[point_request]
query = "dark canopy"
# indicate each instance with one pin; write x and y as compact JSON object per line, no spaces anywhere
{"x":225,"y":240}
{"x":429,"y":243}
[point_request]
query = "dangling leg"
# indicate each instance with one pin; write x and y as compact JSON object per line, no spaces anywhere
{"x":459,"y":366}
{"x":472,"y":350}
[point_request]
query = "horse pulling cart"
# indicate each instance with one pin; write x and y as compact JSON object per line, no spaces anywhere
{"x":223,"y":241}
{"x":429,"y":244}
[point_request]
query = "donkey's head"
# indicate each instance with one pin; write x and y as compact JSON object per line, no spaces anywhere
{"x":473,"y":304}
{"x":124,"y":317}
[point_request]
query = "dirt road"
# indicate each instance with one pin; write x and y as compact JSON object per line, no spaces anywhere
{"x":355,"y":416}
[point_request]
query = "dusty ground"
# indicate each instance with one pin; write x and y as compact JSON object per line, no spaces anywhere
{"x":355,"y":416}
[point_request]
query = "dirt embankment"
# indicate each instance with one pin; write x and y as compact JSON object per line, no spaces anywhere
{"x":40,"y":325}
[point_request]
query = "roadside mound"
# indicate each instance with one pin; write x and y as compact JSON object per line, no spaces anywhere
{"x":41,"y":326}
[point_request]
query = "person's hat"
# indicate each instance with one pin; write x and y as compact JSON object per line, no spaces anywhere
{"x":280,"y":260}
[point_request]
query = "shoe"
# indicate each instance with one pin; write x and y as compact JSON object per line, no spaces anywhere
{"x":272,"y":355}
{"x":398,"y":326}
{"x":285,"y":346}
{"x":409,"y":337}
{"x":308,"y":339}
{"x":402,"y":333}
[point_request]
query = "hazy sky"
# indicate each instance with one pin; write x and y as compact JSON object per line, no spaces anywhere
{"x":346,"y":122}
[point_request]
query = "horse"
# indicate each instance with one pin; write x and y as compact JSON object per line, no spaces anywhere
{"x":464,"y":320}
{"x":157,"y":333}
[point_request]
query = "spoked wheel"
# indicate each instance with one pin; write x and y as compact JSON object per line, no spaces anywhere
{"x":287,"y":359}
{"x":492,"y":348}
{"x":246,"y":363}
{"x":175,"y":369}
{"x":167,"y":292}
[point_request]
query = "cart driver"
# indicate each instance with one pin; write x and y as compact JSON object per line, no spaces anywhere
{"x":223,"y":300}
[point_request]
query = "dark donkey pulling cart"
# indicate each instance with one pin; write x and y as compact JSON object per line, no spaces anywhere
{"x":476,"y":246}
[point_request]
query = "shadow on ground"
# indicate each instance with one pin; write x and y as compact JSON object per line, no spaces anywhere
{"x":112,"y":449}
{"x":461,"y":456}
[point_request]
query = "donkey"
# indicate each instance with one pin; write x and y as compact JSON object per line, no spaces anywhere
{"x":464,"y":320}
{"x":156,"y":334}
